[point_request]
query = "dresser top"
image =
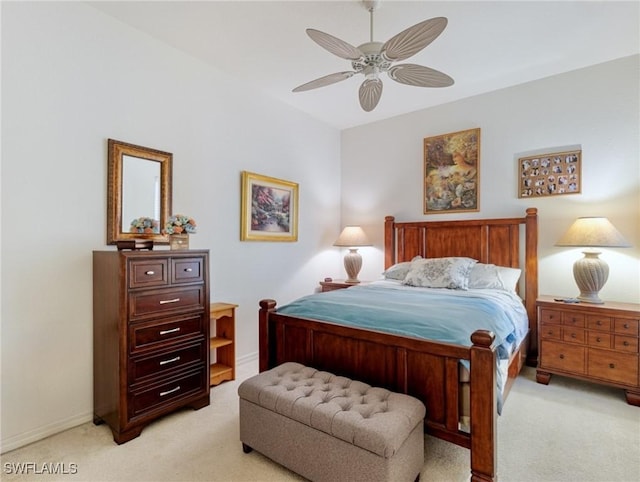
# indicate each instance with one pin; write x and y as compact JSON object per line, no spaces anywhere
{"x":632,"y":309}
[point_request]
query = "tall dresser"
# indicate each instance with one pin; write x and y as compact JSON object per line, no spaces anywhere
{"x":150,"y":336}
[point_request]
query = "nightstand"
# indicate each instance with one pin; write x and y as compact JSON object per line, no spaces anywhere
{"x":598,"y":343}
{"x":336,"y":284}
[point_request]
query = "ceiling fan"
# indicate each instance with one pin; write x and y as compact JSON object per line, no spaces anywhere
{"x":373,"y":58}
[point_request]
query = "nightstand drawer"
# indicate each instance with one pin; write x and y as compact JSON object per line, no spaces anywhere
{"x":552,"y":332}
{"x":626,"y":327}
{"x":562,"y":356}
{"x":573,"y":319}
{"x":573,"y":336}
{"x":626,"y":343}
{"x":551,"y":316}
{"x":615,"y":367}
{"x":595,"y":322}
{"x":602,"y":340}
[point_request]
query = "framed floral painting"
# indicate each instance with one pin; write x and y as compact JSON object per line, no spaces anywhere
{"x":452,"y":172}
{"x":269,"y":209}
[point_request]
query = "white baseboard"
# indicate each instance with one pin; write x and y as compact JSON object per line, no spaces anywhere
{"x":26,"y":438}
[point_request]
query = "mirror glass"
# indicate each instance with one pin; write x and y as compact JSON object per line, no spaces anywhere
{"x":139,"y":194}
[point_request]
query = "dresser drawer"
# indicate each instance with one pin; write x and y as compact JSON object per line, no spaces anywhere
{"x":156,"y":397}
{"x":151,"y":335}
{"x":562,"y":356}
{"x":145,"y":367}
{"x":626,"y":327}
{"x":626,"y":343}
{"x":599,"y":339}
{"x":148,"y":273}
{"x":187,"y":270}
{"x":602,"y":323}
{"x":612,"y":366}
{"x":160,"y":302}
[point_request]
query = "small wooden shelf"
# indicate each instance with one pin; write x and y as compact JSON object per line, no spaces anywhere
{"x":222,"y":343}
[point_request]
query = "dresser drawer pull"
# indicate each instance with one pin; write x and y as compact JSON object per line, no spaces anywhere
{"x":598,"y":340}
{"x":599,"y":323}
{"x":150,"y":273}
{"x":625,"y":343}
{"x":612,"y":365}
{"x":162,"y":394}
{"x":174,"y":300}
{"x":550,"y":332}
{"x":164,"y":362}
{"x":188,"y":270}
{"x":561,"y":356}
{"x":626,"y":326}
{"x":173,"y":330}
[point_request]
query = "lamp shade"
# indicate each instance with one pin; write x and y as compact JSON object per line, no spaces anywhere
{"x":592,"y":232}
{"x":351,"y":237}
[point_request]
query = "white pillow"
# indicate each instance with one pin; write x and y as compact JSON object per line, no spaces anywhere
{"x":490,"y":276}
{"x":452,"y":273}
{"x":399,"y":270}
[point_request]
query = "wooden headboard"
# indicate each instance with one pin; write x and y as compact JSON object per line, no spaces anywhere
{"x":495,"y":241}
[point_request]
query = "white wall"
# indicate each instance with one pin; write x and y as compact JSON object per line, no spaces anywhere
{"x":73,"y":77}
{"x":595,"y":108}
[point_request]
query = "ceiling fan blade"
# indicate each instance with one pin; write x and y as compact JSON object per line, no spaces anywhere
{"x":412,"y":40}
{"x":370,"y":93}
{"x":334,"y":45}
{"x":324,"y":81}
{"x":419,"y":76}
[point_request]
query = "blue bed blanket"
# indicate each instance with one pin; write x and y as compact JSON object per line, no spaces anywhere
{"x":437,"y":314}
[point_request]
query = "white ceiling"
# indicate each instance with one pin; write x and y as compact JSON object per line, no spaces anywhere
{"x":487,"y":45}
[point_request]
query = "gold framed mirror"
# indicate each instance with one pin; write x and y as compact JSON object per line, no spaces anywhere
{"x":138,"y":192}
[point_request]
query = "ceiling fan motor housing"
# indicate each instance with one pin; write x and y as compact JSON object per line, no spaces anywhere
{"x":371,"y":59}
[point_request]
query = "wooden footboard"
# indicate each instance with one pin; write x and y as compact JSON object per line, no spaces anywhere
{"x":425,"y":369}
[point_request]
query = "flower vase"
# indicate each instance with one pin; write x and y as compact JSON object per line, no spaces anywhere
{"x":178,"y":241}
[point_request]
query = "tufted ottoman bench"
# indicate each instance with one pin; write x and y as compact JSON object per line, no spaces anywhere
{"x":330,"y":428}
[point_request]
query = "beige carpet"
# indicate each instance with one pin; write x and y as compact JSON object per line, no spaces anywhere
{"x":566,"y":431}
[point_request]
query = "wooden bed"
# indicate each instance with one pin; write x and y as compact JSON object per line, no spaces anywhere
{"x":426,"y":369}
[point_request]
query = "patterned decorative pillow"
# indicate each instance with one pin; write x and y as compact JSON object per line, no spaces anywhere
{"x":452,"y":273}
{"x":399,"y":270}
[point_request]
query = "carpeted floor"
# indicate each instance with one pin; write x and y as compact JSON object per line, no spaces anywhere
{"x":566,"y":431}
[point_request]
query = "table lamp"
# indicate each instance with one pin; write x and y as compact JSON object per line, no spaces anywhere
{"x":591,"y":272}
{"x":352,"y":237}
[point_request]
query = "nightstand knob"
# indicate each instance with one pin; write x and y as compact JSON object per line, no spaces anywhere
{"x":612,"y":365}
{"x":573,"y":335}
{"x":625,"y":343}
{"x":626,"y":326}
{"x":599,"y":323}
{"x":598,"y":340}
{"x":561,"y":356}
{"x":550,"y":332}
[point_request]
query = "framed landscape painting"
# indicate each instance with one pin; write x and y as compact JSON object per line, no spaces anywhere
{"x":452,"y":172}
{"x":269,"y":209}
